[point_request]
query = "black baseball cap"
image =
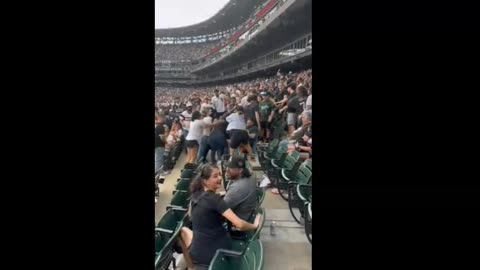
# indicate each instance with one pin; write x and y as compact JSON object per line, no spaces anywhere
{"x":236,"y":163}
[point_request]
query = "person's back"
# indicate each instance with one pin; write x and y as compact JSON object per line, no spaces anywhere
{"x":241,"y":197}
{"x":207,"y":223}
{"x":236,"y":121}
{"x":196,"y":130}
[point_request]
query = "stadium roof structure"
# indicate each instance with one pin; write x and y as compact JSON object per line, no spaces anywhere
{"x":231,"y":15}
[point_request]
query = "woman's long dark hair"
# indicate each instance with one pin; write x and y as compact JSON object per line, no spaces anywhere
{"x":205,"y":173}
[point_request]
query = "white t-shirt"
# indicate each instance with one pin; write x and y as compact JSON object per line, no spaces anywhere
{"x":244,"y":101}
{"x":196,"y":131}
{"x":236,"y":121}
{"x":188,"y":118}
{"x":309,"y":103}
{"x":218,"y":104}
{"x":208,"y":121}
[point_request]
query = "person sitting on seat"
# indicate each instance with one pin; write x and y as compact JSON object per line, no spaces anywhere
{"x":207,"y":210}
{"x":241,"y":195}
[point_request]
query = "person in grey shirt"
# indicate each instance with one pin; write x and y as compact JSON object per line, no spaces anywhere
{"x":241,"y":195}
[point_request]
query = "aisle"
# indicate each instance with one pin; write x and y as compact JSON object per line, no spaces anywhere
{"x":167,"y":188}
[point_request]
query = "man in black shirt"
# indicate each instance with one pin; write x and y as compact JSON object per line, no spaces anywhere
{"x":292,"y":107}
{"x":160,"y":138}
{"x":251,"y":111}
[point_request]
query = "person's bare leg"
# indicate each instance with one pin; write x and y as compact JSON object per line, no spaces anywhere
{"x":194,"y":154}
{"x":189,"y":155}
{"x":186,"y":236}
{"x":247,"y":148}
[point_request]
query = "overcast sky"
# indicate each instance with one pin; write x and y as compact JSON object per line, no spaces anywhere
{"x":177,"y":13}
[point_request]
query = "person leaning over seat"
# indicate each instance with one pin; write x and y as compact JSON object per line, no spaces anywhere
{"x":206,"y":212}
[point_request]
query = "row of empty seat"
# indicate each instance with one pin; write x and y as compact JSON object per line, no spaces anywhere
{"x":292,"y":178}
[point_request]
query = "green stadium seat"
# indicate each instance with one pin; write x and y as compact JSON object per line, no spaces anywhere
{"x":287,"y":162}
{"x":304,"y":192}
{"x":182,"y":185}
{"x":239,"y":245}
{"x":308,"y":221}
{"x":181,"y":199}
{"x":251,"y":259}
{"x":295,"y":203}
{"x":261,"y":196}
{"x":187,"y":174}
{"x":166,"y":233}
{"x":287,"y":174}
{"x":264,"y":156}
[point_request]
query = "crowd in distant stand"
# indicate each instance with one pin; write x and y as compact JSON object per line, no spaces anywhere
{"x":178,"y":52}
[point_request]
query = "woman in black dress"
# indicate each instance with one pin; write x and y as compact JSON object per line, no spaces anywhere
{"x":207,"y":212}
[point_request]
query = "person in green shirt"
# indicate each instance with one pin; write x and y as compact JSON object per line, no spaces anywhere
{"x":266,"y":111}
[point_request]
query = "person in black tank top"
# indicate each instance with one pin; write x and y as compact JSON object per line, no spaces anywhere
{"x":207,"y":210}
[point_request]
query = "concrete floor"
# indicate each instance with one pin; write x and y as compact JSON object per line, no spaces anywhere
{"x":288,"y":249}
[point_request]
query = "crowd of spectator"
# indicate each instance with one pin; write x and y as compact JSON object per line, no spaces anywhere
{"x":243,"y":113}
{"x":224,"y":118}
{"x":194,"y":51}
{"x":180,"y":52}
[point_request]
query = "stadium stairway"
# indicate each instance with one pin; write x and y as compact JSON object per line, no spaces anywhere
{"x":288,"y":249}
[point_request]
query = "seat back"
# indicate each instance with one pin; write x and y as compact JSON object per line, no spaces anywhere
{"x":180,"y":199}
{"x":280,"y":151}
{"x":304,"y":192}
{"x":272,"y":145}
{"x":261,"y":196}
{"x":190,"y":166}
{"x":252,"y":235}
{"x":183,"y":184}
{"x":253,"y":258}
{"x":290,"y":160}
{"x":164,"y":244}
{"x":171,"y":218}
{"x":303,"y":175}
{"x":308,"y":163}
